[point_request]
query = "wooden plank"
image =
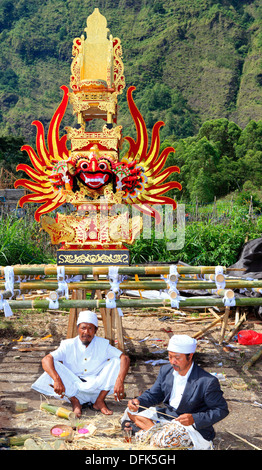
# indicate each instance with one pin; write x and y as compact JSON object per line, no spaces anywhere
{"x":102,"y":309}
{"x":119,"y":331}
{"x":224,"y":324}
{"x":109,"y":326}
{"x":78,"y":294}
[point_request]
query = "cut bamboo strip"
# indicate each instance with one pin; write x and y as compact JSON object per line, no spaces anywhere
{"x":244,"y":440}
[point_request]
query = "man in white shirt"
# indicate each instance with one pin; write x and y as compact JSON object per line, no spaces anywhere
{"x":84,"y":369}
{"x":192,"y":397}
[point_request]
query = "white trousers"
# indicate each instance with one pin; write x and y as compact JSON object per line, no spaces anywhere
{"x":74,"y":387}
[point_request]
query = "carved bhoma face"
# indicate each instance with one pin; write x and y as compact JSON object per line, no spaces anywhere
{"x":93,"y":171}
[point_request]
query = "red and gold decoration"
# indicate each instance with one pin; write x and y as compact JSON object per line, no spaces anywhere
{"x":84,"y":169}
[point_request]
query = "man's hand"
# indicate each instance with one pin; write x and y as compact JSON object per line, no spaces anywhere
{"x":119,"y":390}
{"x":186,"y":419}
{"x":48,"y":366}
{"x":59,"y":387}
{"x":119,"y":385}
{"x":133,"y":405}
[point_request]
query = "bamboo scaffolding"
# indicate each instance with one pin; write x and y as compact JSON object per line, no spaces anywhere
{"x":187,"y":280}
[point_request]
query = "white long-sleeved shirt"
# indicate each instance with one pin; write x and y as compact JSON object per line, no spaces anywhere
{"x":178,"y":387}
{"x":85,"y":361}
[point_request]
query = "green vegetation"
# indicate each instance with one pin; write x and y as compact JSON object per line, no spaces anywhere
{"x":208,"y":242}
{"x":190,"y":61}
{"x":220,"y":159}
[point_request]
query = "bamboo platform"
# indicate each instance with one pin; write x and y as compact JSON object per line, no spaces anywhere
{"x":95,"y":282}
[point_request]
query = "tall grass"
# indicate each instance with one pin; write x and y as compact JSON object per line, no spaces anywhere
{"x":21,"y":242}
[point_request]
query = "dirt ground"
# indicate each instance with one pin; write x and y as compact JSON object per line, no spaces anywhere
{"x":30,"y":336}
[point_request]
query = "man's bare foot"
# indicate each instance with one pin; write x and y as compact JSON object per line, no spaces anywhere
{"x":100,"y":405}
{"x":141,"y":422}
{"x":77,"y":408}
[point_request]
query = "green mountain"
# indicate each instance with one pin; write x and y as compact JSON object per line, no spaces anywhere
{"x":190,"y":61}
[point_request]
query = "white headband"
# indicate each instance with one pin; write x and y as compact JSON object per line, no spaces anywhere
{"x":87,"y":317}
{"x":182,"y":344}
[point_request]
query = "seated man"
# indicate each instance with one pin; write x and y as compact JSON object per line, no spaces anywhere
{"x":192,"y":399}
{"x":84,"y":369}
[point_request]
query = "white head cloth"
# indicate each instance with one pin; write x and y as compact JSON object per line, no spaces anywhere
{"x":86,"y":316}
{"x":182,"y":344}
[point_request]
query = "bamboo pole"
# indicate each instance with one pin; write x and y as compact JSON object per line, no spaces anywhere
{"x":204,"y":330}
{"x":213,"y":313}
{"x":51,"y":269}
{"x":233,"y":332}
{"x":102,"y":310}
{"x":135,"y":285}
{"x":109,"y":325}
{"x":57,"y":410}
{"x":253,"y":359}
{"x":78,"y":294}
{"x":126,"y":303}
{"x":224,"y":324}
{"x":119,"y":331}
{"x":14,"y":440}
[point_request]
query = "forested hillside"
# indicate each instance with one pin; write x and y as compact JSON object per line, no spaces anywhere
{"x":196,"y":65}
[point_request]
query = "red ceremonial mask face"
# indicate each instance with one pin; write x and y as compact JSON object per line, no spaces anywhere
{"x":94,"y":172}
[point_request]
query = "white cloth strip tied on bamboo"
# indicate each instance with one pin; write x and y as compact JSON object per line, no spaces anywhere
{"x":244,"y":289}
{"x":4,"y":305}
{"x":53,"y":301}
{"x":219,"y":277}
{"x":115,"y":281}
{"x":9,"y":278}
{"x":229,"y":299}
{"x":172,"y":290}
{"x":9,"y":286}
{"x":62,"y":283}
{"x":111,"y":300}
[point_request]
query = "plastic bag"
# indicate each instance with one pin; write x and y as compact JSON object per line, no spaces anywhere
{"x":249,"y":337}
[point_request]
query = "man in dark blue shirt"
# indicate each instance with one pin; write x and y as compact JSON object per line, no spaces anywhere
{"x":190,"y":395}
